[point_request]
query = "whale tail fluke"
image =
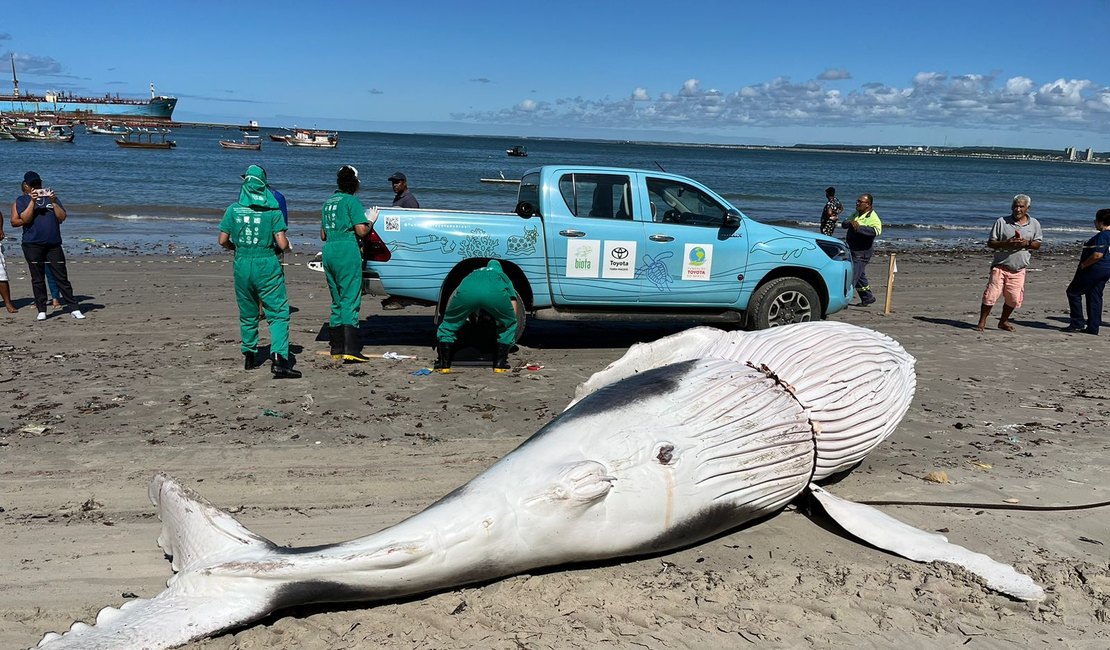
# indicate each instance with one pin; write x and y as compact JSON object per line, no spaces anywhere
{"x":198,"y":602}
{"x":886,"y":532}
{"x":196,"y":533}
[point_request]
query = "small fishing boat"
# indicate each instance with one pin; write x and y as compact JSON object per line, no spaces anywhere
{"x":518,"y":151}
{"x":313,"y":138}
{"x":277,"y":138}
{"x":249,"y":142}
{"x":105,"y":128}
{"x":49,"y":133}
{"x":144,"y":139}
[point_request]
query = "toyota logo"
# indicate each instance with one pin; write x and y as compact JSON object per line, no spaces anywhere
{"x":619,"y":253}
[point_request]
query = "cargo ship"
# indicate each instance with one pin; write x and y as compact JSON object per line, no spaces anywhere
{"x":66,"y":106}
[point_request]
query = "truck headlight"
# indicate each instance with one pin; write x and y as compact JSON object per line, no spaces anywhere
{"x":835,"y":250}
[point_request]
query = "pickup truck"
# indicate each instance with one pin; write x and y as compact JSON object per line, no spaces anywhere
{"x":606,"y":243}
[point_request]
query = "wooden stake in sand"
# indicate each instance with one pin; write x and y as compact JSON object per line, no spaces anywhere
{"x":891,"y":270}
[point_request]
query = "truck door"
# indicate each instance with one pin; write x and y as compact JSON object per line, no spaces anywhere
{"x":690,"y":257}
{"x":592,"y":237}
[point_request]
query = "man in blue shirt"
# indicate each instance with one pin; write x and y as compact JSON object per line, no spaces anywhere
{"x":1090,"y":278}
{"x":40,"y":214}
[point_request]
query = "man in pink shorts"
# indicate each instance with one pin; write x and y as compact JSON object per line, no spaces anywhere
{"x":1012,"y":237}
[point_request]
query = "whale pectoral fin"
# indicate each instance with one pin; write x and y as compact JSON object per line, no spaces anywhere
{"x":195,"y":606}
{"x":885,"y":532}
{"x":587,"y":480}
{"x":194,"y":532}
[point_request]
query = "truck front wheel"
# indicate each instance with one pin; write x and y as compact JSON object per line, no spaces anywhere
{"x":783,"y":301}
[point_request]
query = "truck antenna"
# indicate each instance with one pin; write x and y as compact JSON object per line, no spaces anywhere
{"x":659,"y":166}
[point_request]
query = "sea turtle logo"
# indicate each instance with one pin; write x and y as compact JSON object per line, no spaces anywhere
{"x":619,"y":253}
{"x":655,"y":271}
{"x":697,"y":256}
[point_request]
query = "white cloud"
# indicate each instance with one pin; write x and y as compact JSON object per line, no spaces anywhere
{"x":929,"y":99}
{"x":834,"y":74}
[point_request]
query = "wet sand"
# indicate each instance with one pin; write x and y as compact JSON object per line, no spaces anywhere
{"x":152,"y":381}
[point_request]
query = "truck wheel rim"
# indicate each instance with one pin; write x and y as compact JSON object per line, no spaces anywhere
{"x":789,"y":307}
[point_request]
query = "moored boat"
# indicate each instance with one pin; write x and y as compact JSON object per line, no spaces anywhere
{"x":48,"y":133}
{"x":249,"y":142}
{"x":518,"y":151}
{"x":313,"y":138}
{"x":104,"y":128}
{"x":277,"y":138}
{"x":134,"y":139}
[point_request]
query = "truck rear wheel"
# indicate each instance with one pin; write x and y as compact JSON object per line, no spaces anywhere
{"x":783,"y":301}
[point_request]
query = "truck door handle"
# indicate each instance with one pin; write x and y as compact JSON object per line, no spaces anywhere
{"x":661,"y":238}
{"x":572,"y":233}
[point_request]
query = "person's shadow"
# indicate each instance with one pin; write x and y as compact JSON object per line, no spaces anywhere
{"x":951,"y":322}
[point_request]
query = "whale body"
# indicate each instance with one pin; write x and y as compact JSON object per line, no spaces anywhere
{"x":654,"y":454}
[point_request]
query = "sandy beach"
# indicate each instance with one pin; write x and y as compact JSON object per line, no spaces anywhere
{"x":152,"y":381}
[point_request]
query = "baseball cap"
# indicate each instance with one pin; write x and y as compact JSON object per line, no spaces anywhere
{"x":32,"y":177}
{"x":397,"y":176}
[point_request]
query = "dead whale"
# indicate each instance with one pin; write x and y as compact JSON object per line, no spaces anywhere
{"x":644,"y":461}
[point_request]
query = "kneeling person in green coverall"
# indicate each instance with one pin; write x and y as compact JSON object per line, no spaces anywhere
{"x":252,"y":227}
{"x":487,"y":289}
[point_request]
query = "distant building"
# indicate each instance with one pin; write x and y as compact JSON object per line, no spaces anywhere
{"x":1089,"y":155}
{"x":1069,"y":153}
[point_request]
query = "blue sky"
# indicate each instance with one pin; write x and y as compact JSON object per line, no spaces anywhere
{"x":1017,"y":73}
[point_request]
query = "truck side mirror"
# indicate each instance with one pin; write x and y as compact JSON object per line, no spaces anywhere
{"x":525,"y":209}
{"x":732,"y":218}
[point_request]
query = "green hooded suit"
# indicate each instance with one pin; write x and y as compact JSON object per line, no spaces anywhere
{"x":251,"y":223}
{"x":488,"y":289}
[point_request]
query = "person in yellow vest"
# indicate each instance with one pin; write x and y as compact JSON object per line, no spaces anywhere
{"x":343,"y":222}
{"x":863,"y":227}
{"x":254,"y":229}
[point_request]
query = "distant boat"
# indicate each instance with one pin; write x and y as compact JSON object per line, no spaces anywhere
{"x":105,"y":128}
{"x":50,"y":133}
{"x":313,"y":138}
{"x":133,"y":139}
{"x":278,"y":138}
{"x":249,"y":142}
{"x":518,"y":151}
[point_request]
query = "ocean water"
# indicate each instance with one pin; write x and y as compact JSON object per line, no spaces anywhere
{"x":128,"y":202}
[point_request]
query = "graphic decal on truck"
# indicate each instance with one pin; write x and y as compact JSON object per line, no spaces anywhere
{"x":478,"y":244}
{"x":784,"y":247}
{"x":655,"y":270}
{"x":582,"y":258}
{"x":698,"y":264}
{"x":423,"y":244}
{"x":526,"y":245}
{"x":620,"y":256}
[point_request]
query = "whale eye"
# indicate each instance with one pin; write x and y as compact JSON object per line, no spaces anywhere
{"x":665,"y":455}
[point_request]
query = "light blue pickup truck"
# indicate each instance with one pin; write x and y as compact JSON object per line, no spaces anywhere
{"x":602,"y":243}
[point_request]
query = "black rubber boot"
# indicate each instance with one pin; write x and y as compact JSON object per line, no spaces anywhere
{"x":443,"y":358}
{"x":250,"y":360}
{"x":335,"y":337}
{"x":282,"y":368}
{"x":502,"y":363}
{"x":352,"y":345}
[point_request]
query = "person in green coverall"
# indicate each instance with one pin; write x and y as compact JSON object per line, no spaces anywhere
{"x":487,"y":289}
{"x":252,"y":227}
{"x":342,"y":224}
